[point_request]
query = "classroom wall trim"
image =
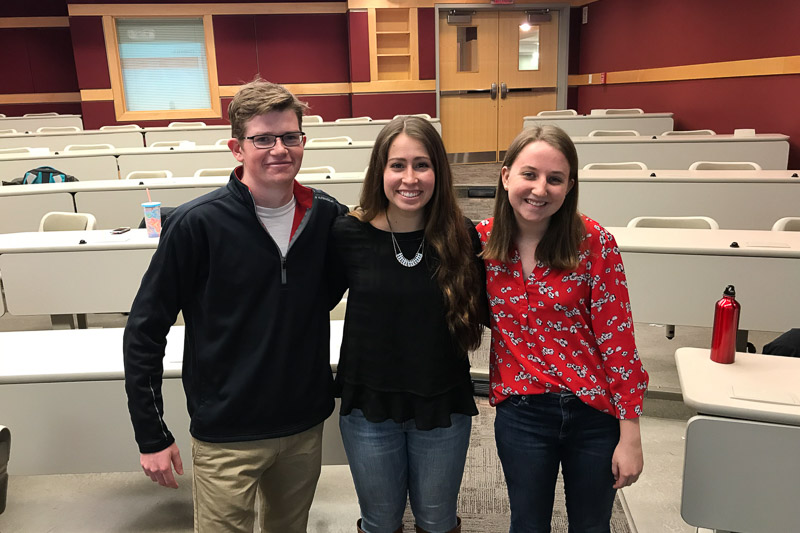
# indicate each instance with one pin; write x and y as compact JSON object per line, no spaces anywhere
{"x":297,"y":88}
{"x":39,"y":98}
{"x":34,"y":22}
{"x":165,"y":10}
{"x":770,"y":66}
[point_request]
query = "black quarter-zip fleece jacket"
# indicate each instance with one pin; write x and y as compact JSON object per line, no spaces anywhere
{"x":256,"y":360}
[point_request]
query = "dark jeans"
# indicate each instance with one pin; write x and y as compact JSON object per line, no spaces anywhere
{"x":535,"y":434}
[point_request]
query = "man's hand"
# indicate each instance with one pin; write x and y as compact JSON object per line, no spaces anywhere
{"x":158,"y":466}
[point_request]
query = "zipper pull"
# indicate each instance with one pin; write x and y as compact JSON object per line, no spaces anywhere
{"x":283,"y":270}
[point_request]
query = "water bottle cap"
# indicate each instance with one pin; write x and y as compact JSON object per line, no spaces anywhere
{"x":730,"y":290}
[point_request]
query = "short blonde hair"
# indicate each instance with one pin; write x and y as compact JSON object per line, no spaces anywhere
{"x":260,"y":97}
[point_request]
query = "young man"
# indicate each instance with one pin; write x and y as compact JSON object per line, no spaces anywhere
{"x":245,"y":264}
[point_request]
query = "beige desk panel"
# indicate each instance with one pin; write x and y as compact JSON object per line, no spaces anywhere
{"x":34,"y":123}
{"x":78,"y":421}
{"x":207,"y":135}
{"x":733,"y":204}
{"x":181,"y":163}
{"x":581,"y":125}
{"x":83,"y":167}
{"x":346,"y":190}
{"x":59,"y":141}
{"x":210,"y":134}
{"x":24,"y":212}
{"x":741,"y":475}
{"x":184,"y":163}
{"x":124,"y":207}
{"x":671,"y":153}
{"x":103,"y":281}
{"x":682,"y":289}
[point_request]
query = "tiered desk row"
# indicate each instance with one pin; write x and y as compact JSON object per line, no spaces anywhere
{"x":53,"y":415}
{"x":117,"y":203}
{"x":132,"y":150}
{"x":203,"y":135}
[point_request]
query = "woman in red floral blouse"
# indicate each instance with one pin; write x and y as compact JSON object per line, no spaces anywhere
{"x":565,"y":374}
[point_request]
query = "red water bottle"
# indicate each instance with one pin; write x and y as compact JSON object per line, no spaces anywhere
{"x":726,"y":323}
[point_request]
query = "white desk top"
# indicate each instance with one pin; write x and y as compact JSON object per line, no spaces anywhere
{"x":699,"y":176}
{"x":188,"y":149}
{"x":91,"y":354}
{"x":752,"y":243}
{"x":754,"y":387}
{"x":157,"y":183}
{"x":580,"y":118}
{"x":227,"y":127}
{"x":69,"y":241}
{"x":681,"y":139}
{"x":33,"y":123}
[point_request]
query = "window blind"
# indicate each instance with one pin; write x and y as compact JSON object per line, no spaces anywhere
{"x":163,"y":64}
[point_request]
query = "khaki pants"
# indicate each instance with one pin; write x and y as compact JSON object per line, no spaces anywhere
{"x":227,"y":476}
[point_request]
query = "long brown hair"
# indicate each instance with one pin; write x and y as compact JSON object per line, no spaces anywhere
{"x":445,"y":230}
{"x":560,"y":245}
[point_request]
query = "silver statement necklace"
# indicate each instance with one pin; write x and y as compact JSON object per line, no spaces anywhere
{"x":398,"y":253}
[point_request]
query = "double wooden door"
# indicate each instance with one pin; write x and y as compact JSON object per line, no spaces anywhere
{"x":493,"y":71}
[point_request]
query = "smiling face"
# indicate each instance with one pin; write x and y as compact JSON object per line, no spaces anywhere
{"x":537,"y":183}
{"x":270,"y":168}
{"x":408,"y":179}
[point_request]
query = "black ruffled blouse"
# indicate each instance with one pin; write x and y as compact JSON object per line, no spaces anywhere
{"x":398,"y":359}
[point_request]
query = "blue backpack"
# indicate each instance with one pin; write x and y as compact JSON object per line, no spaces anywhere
{"x":46,"y":175}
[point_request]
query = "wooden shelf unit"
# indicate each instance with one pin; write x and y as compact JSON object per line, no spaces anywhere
{"x":394,"y":53}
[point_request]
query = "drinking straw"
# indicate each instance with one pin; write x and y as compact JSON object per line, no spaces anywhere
{"x":148,"y":195}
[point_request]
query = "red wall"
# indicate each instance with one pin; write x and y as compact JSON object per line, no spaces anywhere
{"x":291,"y":49}
{"x":426,"y":25}
{"x":359,"y":46}
{"x":624,"y":35}
{"x":387,"y":105}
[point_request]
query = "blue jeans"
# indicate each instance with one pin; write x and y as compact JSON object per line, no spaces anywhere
{"x":391,"y":461}
{"x":535,"y":434}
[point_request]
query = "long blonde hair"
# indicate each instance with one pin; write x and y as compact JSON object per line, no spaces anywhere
{"x":560,"y":245}
{"x":456,"y":272}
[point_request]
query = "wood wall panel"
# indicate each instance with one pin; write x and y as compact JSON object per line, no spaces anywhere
{"x":359,"y":46}
{"x":88,"y":45}
{"x":426,"y":25}
{"x":237,"y":53}
{"x":387,"y":105}
{"x":303,"y":48}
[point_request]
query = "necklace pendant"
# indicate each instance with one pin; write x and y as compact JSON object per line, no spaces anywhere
{"x":403,"y":260}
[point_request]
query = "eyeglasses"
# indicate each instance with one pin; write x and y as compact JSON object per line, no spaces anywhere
{"x":292,"y":138}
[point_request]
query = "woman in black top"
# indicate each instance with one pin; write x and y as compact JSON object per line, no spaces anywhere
{"x":415,"y":306}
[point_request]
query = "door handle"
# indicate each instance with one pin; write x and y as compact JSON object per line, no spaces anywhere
{"x":503,"y":90}
{"x":493,"y":91}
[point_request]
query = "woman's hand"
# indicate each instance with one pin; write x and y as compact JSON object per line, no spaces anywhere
{"x":628,"y":461}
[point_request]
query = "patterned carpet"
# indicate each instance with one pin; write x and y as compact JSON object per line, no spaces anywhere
{"x":483,"y":502}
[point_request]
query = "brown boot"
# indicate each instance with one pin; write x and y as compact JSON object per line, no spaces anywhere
{"x":358,"y":527}
{"x":456,"y":529}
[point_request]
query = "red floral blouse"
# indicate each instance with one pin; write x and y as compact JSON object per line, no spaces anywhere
{"x":565,"y":330}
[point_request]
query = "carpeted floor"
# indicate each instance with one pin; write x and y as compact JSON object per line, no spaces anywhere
{"x":476,"y":209}
{"x":483,"y":502}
